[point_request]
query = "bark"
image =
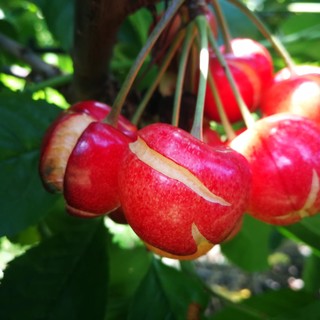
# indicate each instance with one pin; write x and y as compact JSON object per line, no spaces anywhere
{"x":96,"y":25}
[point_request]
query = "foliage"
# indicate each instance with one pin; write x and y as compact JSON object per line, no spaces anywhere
{"x":67,"y":268}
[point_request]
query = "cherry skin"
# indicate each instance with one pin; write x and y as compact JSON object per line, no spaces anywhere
{"x":297,"y":94}
{"x":180,"y":195}
{"x":241,"y":77}
{"x":299,"y":70}
{"x":91,"y":176}
{"x":255,"y":55}
{"x":283,"y":152}
{"x":100,"y":110}
{"x":62,"y":136}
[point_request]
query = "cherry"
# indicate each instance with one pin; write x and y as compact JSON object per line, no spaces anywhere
{"x":62,"y":136}
{"x":299,"y":70}
{"x":91,"y":176}
{"x":210,"y":137}
{"x":283,"y":152}
{"x":180,"y":195}
{"x":255,"y":55}
{"x":242,"y":75}
{"x":297,"y":94}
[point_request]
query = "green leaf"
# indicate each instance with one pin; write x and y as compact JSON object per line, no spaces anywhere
{"x":166,"y":293}
{"x":250,"y":248}
{"x":22,"y":125}
{"x":309,"y":312}
{"x":239,"y":24}
{"x":268,"y":305}
{"x":64,"y":277}
{"x":307,"y":231}
{"x":311,"y":274}
{"x":132,"y":36}
{"x":127,"y":268}
{"x":59,"y":15}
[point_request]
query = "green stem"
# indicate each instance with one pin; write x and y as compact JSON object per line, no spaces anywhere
{"x":52,"y":82}
{"x":168,"y":58}
{"x":224,"y":26}
{"x":197,"y":129}
{"x":222,"y":114}
{"x":113,"y":116}
{"x":181,"y":72}
{"x":276,"y":44}
{"x":246,"y":115}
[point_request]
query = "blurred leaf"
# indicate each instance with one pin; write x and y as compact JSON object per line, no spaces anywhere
{"x":311,"y":274}
{"x":59,"y":15}
{"x":309,"y":312}
{"x":132,"y":36}
{"x":22,"y":125}
{"x":271,"y":304}
{"x":299,"y":32}
{"x":166,"y":293}
{"x":239,"y":24}
{"x":64,"y":277}
{"x":250,"y":248}
{"x":307,"y":231}
{"x":127,"y":268}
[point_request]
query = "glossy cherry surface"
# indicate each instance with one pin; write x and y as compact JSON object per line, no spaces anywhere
{"x":178,"y":193}
{"x":283,"y":152}
{"x":91,"y":177}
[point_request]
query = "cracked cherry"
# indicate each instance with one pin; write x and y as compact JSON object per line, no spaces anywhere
{"x":91,"y":176}
{"x":180,"y":195}
{"x":242,"y":75}
{"x":62,"y":136}
{"x":283,"y":152}
{"x":298,"y":94}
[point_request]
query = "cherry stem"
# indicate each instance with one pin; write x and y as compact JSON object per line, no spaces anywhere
{"x":222,"y":114}
{"x":164,"y":66}
{"x":246,"y":115}
{"x":190,"y":33}
{"x":276,"y":44}
{"x":224,"y":26}
{"x":197,"y":126}
{"x":113,"y":116}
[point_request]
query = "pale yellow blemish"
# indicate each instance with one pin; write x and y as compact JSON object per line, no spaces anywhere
{"x":174,"y":171}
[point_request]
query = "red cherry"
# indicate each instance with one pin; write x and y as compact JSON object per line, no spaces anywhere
{"x":91,"y":176}
{"x":298,"y":94}
{"x":100,"y":110}
{"x":62,"y":136}
{"x":58,"y":143}
{"x":256,"y":56}
{"x":283,"y":152}
{"x":245,"y":86}
{"x":299,"y":70}
{"x":180,"y":195}
{"x":210,"y":137}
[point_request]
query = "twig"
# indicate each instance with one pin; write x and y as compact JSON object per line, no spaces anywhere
{"x":28,"y":56}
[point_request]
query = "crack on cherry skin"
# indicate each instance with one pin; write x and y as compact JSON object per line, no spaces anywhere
{"x":174,"y":171}
{"x":197,"y":235}
{"x":311,"y":198}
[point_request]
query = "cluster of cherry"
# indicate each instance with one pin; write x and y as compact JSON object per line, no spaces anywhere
{"x":182,"y":195}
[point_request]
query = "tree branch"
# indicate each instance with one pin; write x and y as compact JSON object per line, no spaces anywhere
{"x":28,"y":56}
{"x":96,"y":25}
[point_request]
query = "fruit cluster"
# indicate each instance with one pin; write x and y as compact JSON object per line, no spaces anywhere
{"x":182,"y":194}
